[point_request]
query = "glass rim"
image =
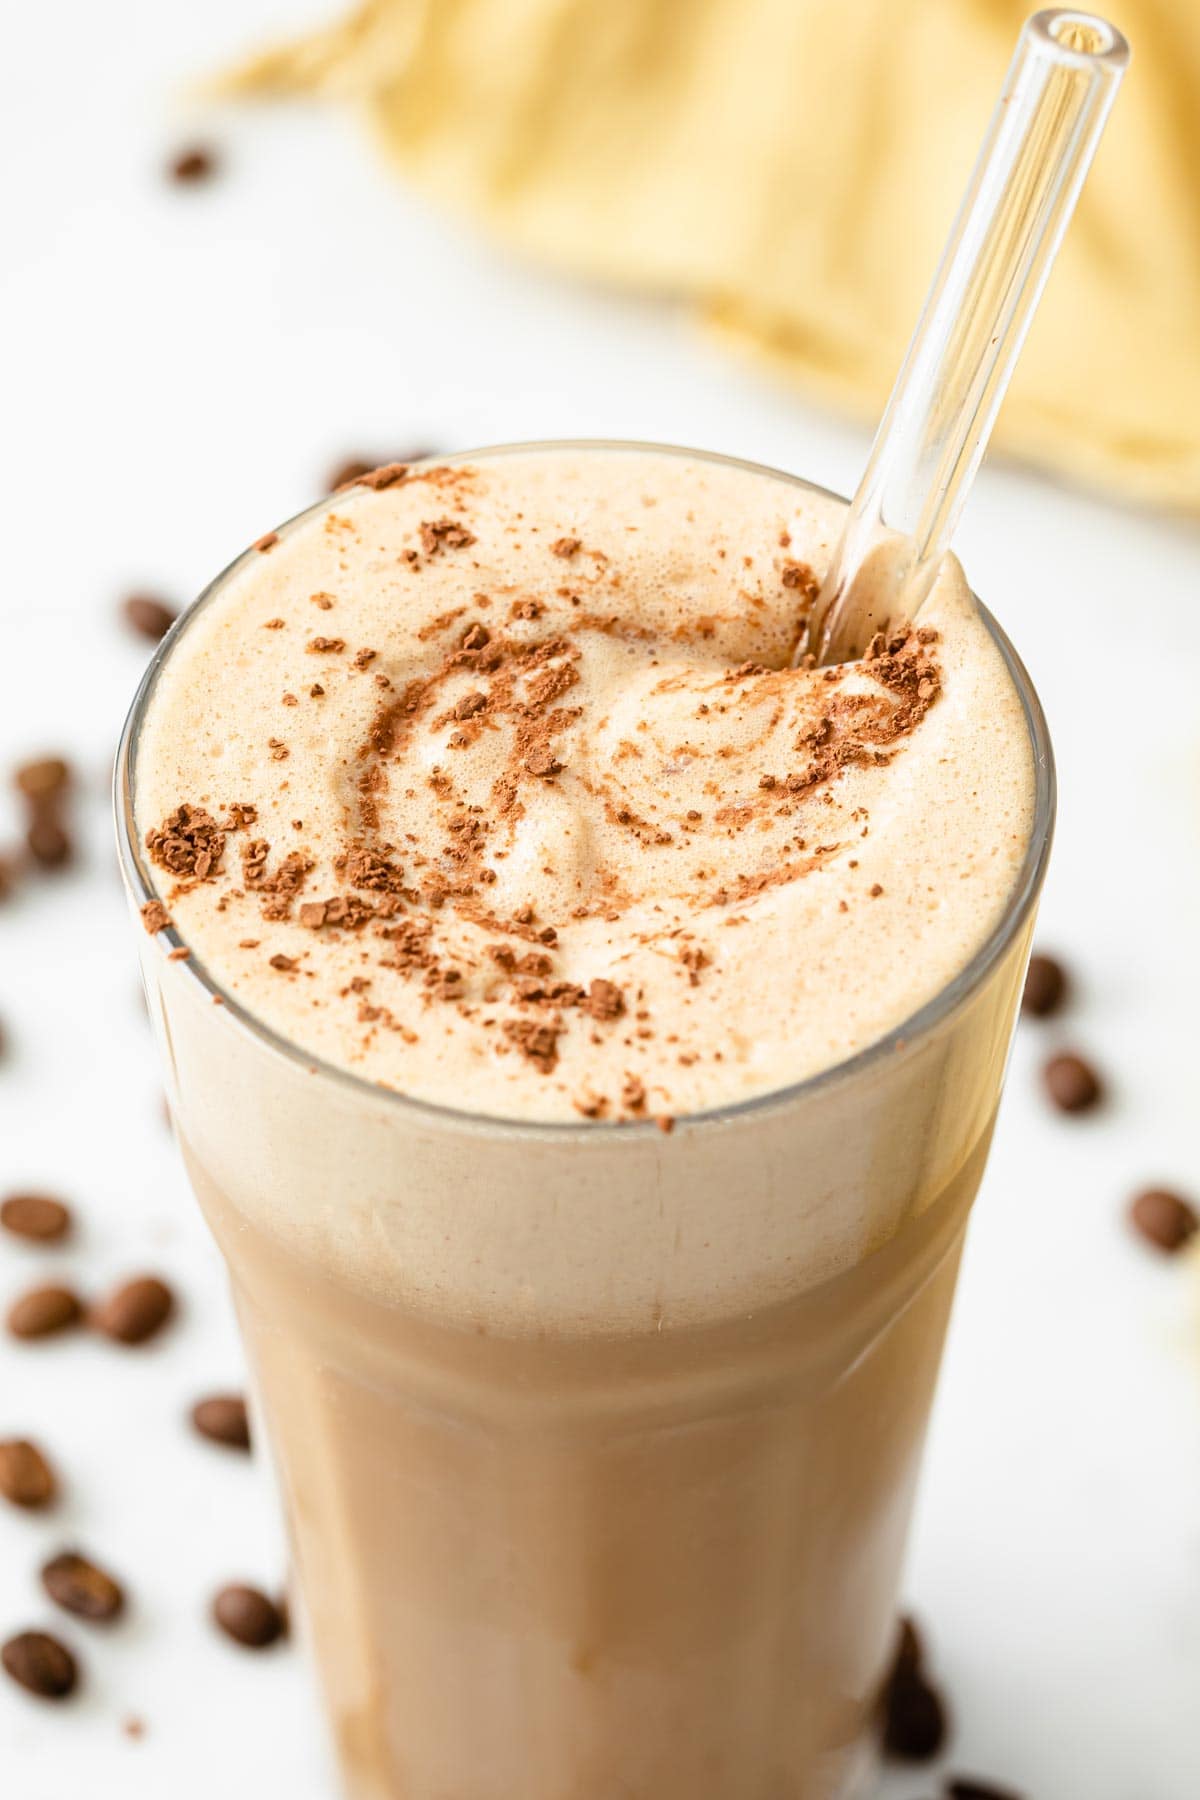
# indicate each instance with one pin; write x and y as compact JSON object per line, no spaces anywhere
{"x":948,"y":999}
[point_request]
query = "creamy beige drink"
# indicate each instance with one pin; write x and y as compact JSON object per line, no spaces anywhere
{"x":586,"y":1052}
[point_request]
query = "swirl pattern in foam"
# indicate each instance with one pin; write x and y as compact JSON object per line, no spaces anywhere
{"x":491,"y":783}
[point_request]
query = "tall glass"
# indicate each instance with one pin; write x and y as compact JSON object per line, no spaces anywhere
{"x":598,"y":1473}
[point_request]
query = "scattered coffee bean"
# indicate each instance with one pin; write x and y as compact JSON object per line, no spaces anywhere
{"x":353,"y":468}
{"x":914,"y":1716}
{"x":1164,"y":1219}
{"x":248,"y":1616}
{"x":910,"y":1651}
{"x":148,"y":615}
{"x":961,"y":1788}
{"x":135,"y":1311}
{"x":223,"y":1418}
{"x":40,"y":1664}
{"x":35,"y":1216}
{"x":79,"y":1587}
{"x":196,"y":163}
{"x":46,"y":778}
{"x":1045,"y":987}
{"x":26,"y":1478}
{"x":1072,"y":1084}
{"x":47,"y":839}
{"x":43,"y":1311}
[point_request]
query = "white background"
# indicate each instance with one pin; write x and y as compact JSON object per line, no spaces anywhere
{"x":180,"y":368}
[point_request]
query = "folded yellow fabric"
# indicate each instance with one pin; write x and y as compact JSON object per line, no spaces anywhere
{"x":793,"y":166}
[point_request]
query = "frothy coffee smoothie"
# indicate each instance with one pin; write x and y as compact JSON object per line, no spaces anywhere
{"x":506,"y":857}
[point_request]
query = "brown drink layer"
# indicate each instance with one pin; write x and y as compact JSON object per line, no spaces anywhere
{"x":598,"y":1440}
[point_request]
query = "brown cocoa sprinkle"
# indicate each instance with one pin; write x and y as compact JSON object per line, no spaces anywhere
{"x":1164,"y":1218}
{"x":313,"y":913}
{"x":40,"y":1664}
{"x":316,"y":691}
{"x":364,"y":658}
{"x":284,"y":964}
{"x":604,"y":999}
{"x":149,"y":616}
{"x":26,"y":1478}
{"x":196,"y":163}
{"x":241,"y":815}
{"x":538,"y":1041}
{"x":633,"y":1094}
{"x":247,"y":1616}
{"x":189,"y":842}
{"x":47,"y":840}
{"x":359,"y":474}
{"x":875,"y":890}
{"x":38,"y":1217}
{"x":542,"y":761}
{"x":801,"y":577}
{"x":223,"y":1419}
{"x":267,"y":541}
{"x":325,"y":646}
{"x":1072,"y":1084}
{"x":665,"y":1123}
{"x":445,"y":534}
{"x":475,"y":637}
{"x":1045,"y":987}
{"x":565,"y":547}
{"x":134,"y":1312}
{"x":79,"y":1586}
{"x":45,"y":779}
{"x":155,"y":917}
{"x":44,"y":1312}
{"x":180,"y":953}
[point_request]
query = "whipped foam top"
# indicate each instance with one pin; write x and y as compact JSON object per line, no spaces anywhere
{"x":490,"y":782}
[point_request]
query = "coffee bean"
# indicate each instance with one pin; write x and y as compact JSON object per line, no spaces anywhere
{"x":40,"y":1664}
{"x":148,"y":615}
{"x":1164,"y":1219}
{"x":196,"y":163}
{"x":79,"y":1587}
{"x":45,"y":778}
{"x":1045,"y":987}
{"x":43,"y":1311}
{"x":914,"y":1717}
{"x":47,"y":839}
{"x":1072,"y":1084}
{"x":26,"y":1478}
{"x":248,"y":1616}
{"x":961,"y":1788}
{"x":135,"y":1311}
{"x":222,"y":1417}
{"x":910,"y":1651}
{"x":38,"y":1217}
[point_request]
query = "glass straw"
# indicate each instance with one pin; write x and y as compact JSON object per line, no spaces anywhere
{"x":1043,"y":134}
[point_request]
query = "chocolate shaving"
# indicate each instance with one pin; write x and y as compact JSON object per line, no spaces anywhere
{"x":155,"y":917}
{"x":445,"y":534}
{"x":188,"y":843}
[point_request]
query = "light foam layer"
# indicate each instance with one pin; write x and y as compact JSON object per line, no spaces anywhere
{"x":483,"y":804}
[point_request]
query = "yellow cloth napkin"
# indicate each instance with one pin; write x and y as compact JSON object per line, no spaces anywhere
{"x":793,"y":166}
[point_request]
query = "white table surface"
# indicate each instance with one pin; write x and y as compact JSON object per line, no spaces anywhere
{"x":180,"y":368}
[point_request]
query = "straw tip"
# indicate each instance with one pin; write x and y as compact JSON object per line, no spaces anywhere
{"x":1080,"y":35}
